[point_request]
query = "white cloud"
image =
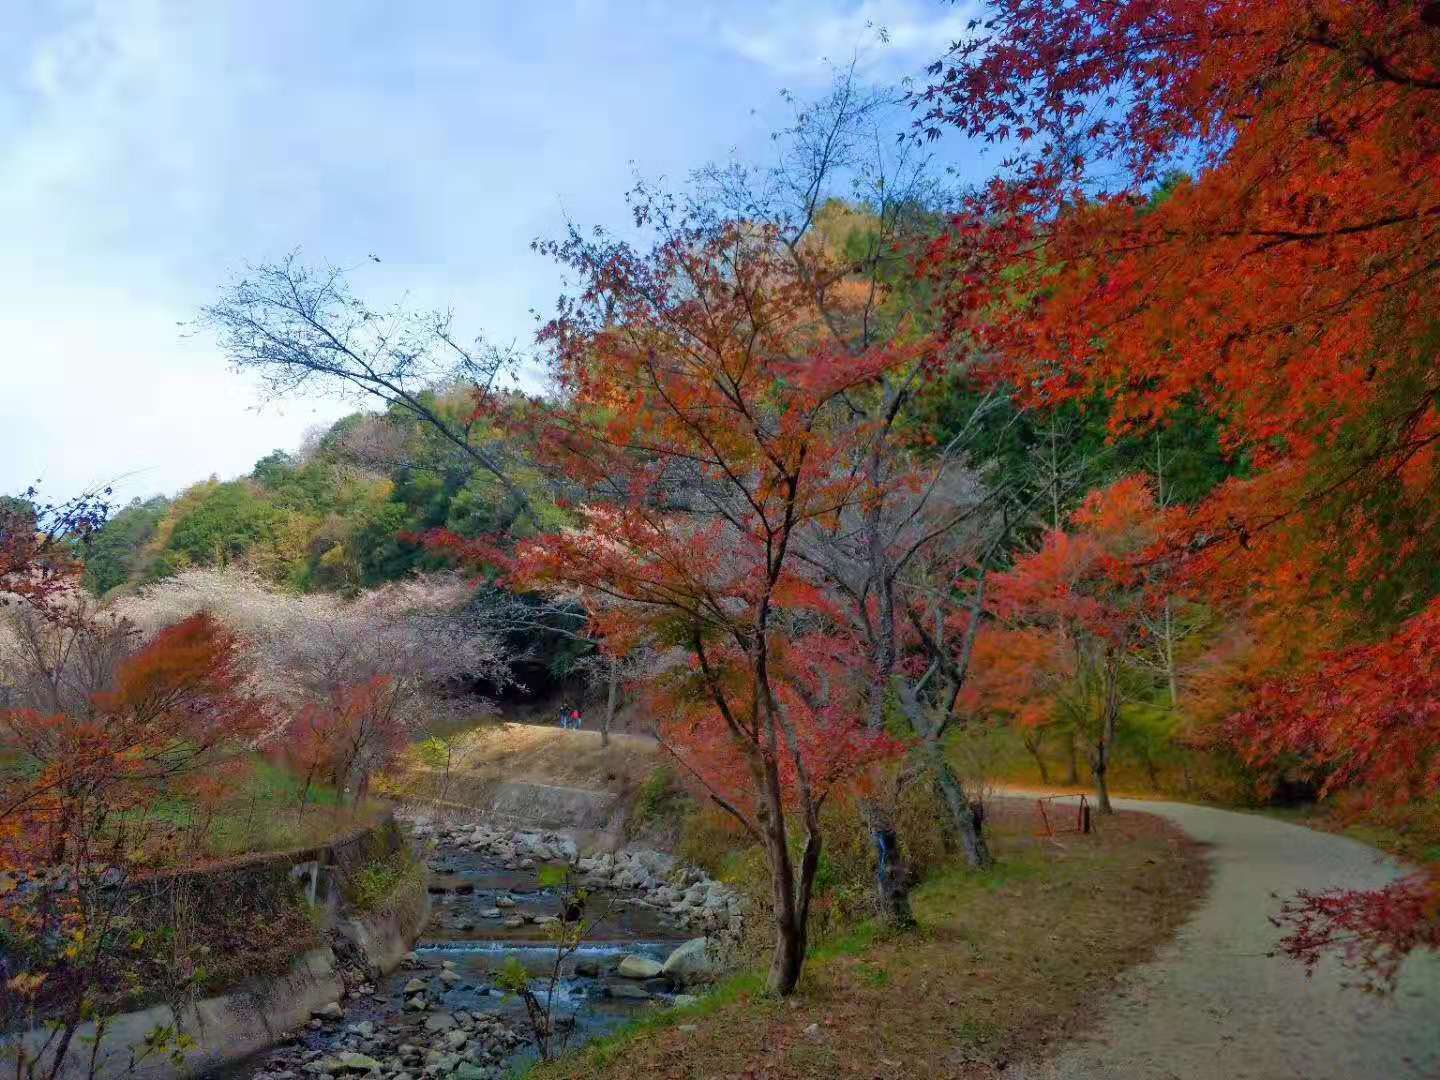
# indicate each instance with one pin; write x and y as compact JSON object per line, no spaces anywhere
{"x":150,"y":147}
{"x":795,"y":38}
{"x":102,"y":388}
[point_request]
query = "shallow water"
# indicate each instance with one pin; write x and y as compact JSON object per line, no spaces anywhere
{"x":465,"y":888}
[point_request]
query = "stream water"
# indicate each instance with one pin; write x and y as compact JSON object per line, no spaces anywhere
{"x":482,"y":917}
{"x":464,"y":887}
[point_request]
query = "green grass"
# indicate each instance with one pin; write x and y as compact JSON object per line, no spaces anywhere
{"x":263,"y":814}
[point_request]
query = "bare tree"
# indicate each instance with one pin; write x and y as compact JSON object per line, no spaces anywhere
{"x":422,"y":634}
{"x":301,"y":328}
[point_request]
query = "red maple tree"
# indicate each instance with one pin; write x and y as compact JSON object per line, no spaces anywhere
{"x":700,"y":390}
{"x":1078,"y":608}
{"x":1233,"y":205}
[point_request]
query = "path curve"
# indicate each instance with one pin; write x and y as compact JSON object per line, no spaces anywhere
{"x":1212,"y":1004}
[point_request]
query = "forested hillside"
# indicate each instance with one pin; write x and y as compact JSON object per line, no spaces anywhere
{"x":344,"y":512}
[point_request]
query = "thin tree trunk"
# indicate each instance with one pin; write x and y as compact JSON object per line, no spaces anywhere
{"x":962,"y":812}
{"x":1033,"y":745}
{"x":1099,"y":767}
{"x":1103,"y":743}
{"x":789,"y":954}
{"x":1151,"y":771}
{"x":892,"y":885}
{"x":1171,"y":681}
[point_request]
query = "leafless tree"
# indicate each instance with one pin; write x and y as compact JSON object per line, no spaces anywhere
{"x":422,"y":634}
{"x":301,"y":328}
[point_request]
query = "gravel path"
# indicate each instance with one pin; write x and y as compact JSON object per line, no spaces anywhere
{"x":1212,"y":1004}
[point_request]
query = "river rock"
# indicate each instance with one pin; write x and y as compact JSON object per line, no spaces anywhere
{"x":329,"y":1012}
{"x":514,"y":922}
{"x":638,"y":967}
{"x":440,"y":1022}
{"x":693,"y":962}
{"x":504,"y":901}
{"x":456,"y":1039}
{"x":351,"y":1062}
{"x":451,"y":977}
{"x":627,"y":991}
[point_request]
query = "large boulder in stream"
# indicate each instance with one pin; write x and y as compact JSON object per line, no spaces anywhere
{"x":693,"y":962}
{"x":638,"y":967}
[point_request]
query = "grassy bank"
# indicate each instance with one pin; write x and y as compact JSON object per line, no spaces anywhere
{"x":264,"y":813}
{"x":1004,"y":963}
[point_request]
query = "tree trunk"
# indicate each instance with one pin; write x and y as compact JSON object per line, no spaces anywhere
{"x":1151,"y":771}
{"x":1102,"y":786}
{"x":612,"y":693}
{"x":788,"y":958}
{"x":962,"y":812}
{"x":1033,"y":745}
{"x":892,"y":880}
{"x":1106,"y":740}
{"x":787,"y":908}
{"x":790,"y":906}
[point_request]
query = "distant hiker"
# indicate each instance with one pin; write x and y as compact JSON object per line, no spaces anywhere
{"x":564,"y":716}
{"x":575,"y":719}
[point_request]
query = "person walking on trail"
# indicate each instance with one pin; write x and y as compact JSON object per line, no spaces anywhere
{"x":564,"y":716}
{"x":575,"y":719}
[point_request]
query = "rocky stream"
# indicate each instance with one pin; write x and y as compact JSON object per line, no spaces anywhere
{"x":660,"y":933}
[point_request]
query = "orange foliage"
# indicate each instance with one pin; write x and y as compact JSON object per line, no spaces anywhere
{"x":178,"y":709}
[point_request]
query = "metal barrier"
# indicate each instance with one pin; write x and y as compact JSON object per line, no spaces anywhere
{"x":1082,"y":817}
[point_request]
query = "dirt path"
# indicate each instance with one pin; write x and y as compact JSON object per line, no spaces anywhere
{"x":1212,"y":1004}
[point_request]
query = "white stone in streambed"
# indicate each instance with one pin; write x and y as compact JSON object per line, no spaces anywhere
{"x":415,"y":986}
{"x":638,"y":967}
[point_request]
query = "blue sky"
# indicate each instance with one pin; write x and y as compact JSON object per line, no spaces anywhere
{"x":149,"y":148}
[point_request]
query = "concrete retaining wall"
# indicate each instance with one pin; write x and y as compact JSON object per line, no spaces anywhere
{"x":225,"y":1028}
{"x":383,"y":938}
{"x":231,"y":1026}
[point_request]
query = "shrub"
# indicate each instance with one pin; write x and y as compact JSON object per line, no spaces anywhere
{"x":660,"y":803}
{"x":376,"y":885}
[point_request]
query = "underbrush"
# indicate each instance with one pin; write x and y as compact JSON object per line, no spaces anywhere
{"x":1135,"y":769}
{"x":844,"y":895}
{"x":377,"y":885}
